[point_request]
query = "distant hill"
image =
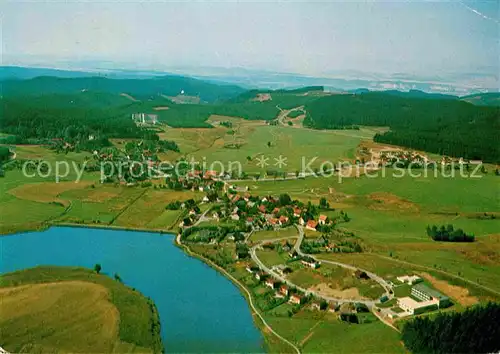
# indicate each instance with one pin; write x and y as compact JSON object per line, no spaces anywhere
{"x":137,"y":88}
{"x":483,"y":99}
{"x":421,"y":94}
{"x":23,"y":73}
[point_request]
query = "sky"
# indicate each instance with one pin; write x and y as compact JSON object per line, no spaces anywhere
{"x":322,"y":38}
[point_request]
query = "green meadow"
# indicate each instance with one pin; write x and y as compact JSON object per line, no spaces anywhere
{"x":41,"y":311}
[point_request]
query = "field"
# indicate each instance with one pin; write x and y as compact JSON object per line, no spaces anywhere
{"x":274,"y":234}
{"x":254,"y":139}
{"x":388,"y":216}
{"x":30,"y":203}
{"x":68,"y":310}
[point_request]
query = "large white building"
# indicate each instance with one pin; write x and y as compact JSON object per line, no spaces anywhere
{"x":423,"y":299}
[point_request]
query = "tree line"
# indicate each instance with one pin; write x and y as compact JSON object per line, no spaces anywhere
{"x":474,"y":330}
{"x":448,"y":234}
{"x":443,"y":126}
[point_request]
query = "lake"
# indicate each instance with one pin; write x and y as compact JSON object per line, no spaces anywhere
{"x":200,"y":310}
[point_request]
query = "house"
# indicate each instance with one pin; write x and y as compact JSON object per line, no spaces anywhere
{"x":297,"y":212}
{"x":283,"y":219}
{"x":205,"y":199}
{"x":263,"y":200}
{"x":316,"y":306}
{"x":262,"y":208}
{"x":249,"y":221}
{"x":311,"y":225}
{"x":235,"y":217}
{"x":252,"y":269}
{"x":192,"y":212}
{"x":293,"y":254}
{"x":301,"y":222}
{"x":274,"y":222}
{"x":310,"y":262}
{"x":330,"y":247}
{"x":215,"y":216}
{"x":270,"y":283}
{"x":296,"y":299}
{"x":236,"y":198}
{"x":260,"y":275}
{"x":277,"y":295}
{"x":409,"y":279}
{"x":276,"y":210}
{"x":284,"y":290}
{"x":250,"y":204}
{"x":210,"y":174}
{"x":332,"y":307}
{"x":322,"y":219}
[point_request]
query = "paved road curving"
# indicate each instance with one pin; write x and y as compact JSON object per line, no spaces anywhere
{"x":369,"y":303}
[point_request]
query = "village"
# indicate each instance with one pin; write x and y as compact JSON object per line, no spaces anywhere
{"x":228,"y":222}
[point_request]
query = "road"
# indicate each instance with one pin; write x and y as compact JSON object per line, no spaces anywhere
{"x":202,"y":217}
{"x":373,"y":276}
{"x":285,"y":112}
{"x":253,"y":255}
{"x":369,"y":303}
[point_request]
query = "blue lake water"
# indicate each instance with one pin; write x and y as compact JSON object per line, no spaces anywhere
{"x":200,"y":310}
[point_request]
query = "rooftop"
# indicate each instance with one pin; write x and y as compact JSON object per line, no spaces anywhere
{"x":431,"y":292}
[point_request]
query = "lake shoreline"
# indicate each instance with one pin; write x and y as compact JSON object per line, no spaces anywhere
{"x":47,"y":226}
{"x":186,"y":251}
{"x":258,"y":320}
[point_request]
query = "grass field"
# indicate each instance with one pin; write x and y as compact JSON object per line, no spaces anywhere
{"x":74,"y":310}
{"x":274,"y":234}
{"x":253,"y":137}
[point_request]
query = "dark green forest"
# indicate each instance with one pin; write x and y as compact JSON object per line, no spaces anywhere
{"x":475,"y":330}
{"x":448,"y":127}
{"x":448,"y":234}
{"x":139,"y":88}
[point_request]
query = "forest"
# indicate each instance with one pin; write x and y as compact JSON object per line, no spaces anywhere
{"x":171,"y":85}
{"x":448,"y":234}
{"x":53,"y":119}
{"x":443,"y":126}
{"x":474,"y":330}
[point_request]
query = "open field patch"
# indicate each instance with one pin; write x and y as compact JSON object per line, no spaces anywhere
{"x":274,"y":234}
{"x":149,"y":206}
{"x":325,"y":289}
{"x":388,"y":201}
{"x":46,"y":192}
{"x":74,"y":310}
{"x":46,"y":317}
{"x":338,"y":337}
{"x":455,"y":292}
